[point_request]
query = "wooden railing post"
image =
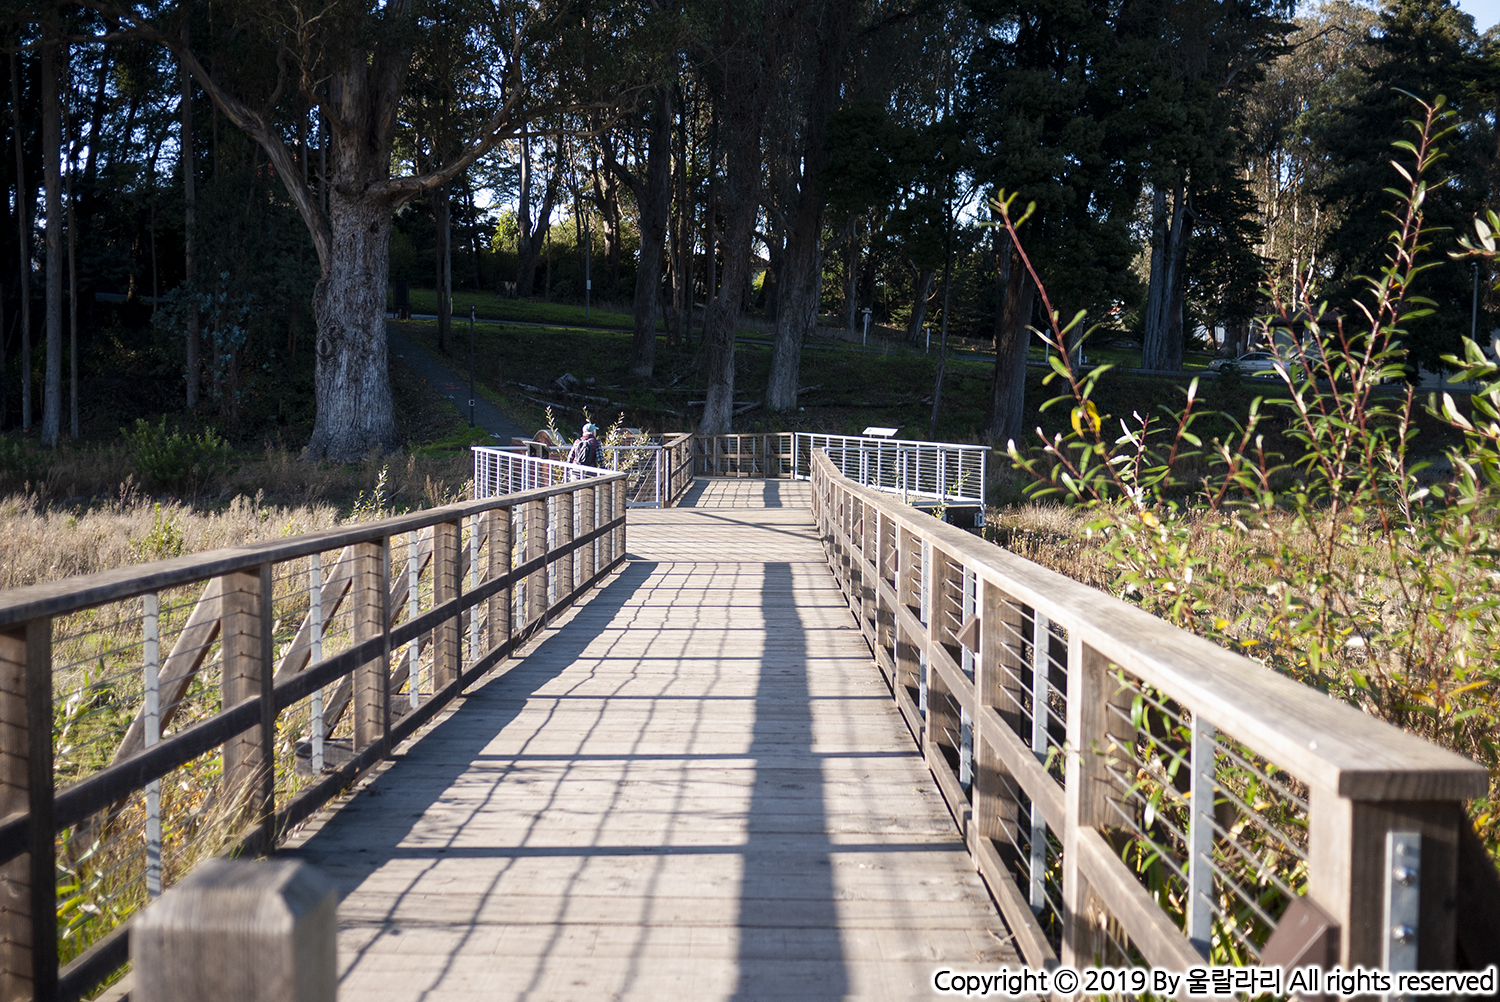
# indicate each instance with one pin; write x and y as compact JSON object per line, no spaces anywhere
{"x":240,"y":931}
{"x":247,"y":645}
{"x":617,"y":511}
{"x":500,"y":556}
{"x":587,"y":519}
{"x":1348,"y":873}
{"x":995,"y":808}
{"x":1091,"y":727}
{"x":564,"y":536}
{"x":908,"y":665}
{"x":446,"y":539}
{"x":868,"y":521}
{"x":371,"y":595}
{"x":535,"y":515}
{"x":28,"y":883}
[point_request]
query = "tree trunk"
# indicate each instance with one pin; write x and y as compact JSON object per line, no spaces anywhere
{"x":919,"y":305}
{"x":655,"y":201}
{"x":353,"y":386}
{"x":1170,"y":234}
{"x":770,"y":283}
{"x":533,"y":236}
{"x":52,"y":179}
{"x":607,"y":194}
{"x":711,"y":227}
{"x":23,"y":233}
{"x":73,"y":275}
{"x":442,"y":213}
{"x":942,"y":366}
{"x":797,"y":307}
{"x":189,"y":237}
{"x":97,"y":109}
{"x":851,"y":276}
{"x":1004,"y":422}
{"x":742,"y":184}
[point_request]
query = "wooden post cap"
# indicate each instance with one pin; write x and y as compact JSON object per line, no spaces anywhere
{"x":239,"y":931}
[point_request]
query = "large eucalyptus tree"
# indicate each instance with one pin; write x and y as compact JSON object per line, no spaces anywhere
{"x":352,"y":63}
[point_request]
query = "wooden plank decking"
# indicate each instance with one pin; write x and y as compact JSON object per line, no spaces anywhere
{"x":696,"y":787}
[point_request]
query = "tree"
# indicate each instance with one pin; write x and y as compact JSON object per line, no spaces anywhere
{"x":653,"y":198}
{"x":1424,"y":48}
{"x":52,"y":182}
{"x":816,"y":70}
{"x":733,"y":67}
{"x":1044,"y":105}
{"x":355,"y":65}
{"x":1198,"y":57}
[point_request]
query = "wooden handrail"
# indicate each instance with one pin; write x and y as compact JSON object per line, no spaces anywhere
{"x":236,"y":608}
{"x":1363,"y":777}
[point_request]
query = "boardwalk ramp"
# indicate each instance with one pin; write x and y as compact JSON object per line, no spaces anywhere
{"x":696,"y":785}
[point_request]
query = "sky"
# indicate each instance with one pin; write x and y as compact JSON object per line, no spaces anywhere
{"x":1484,"y":12}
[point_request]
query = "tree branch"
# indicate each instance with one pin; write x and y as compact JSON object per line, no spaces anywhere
{"x":252,"y":123}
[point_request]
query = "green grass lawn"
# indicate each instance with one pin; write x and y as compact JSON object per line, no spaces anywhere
{"x":489,"y":306}
{"x":854,"y":388}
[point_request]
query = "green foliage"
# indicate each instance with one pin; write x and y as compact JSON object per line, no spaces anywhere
{"x":176,"y":460}
{"x":164,"y":540}
{"x":1425,"y":47}
{"x":1346,"y":563}
{"x":20,"y":464}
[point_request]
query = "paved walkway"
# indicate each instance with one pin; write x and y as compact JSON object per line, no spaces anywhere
{"x":447,"y":381}
{"x":696,"y":787}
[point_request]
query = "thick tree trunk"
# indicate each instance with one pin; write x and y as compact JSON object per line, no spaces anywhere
{"x":796,"y":311}
{"x":353,"y":385}
{"x":189,"y":235}
{"x":1170,"y":234}
{"x":655,"y":200}
{"x":800,"y":282}
{"x":52,"y":179}
{"x":1007,"y":413}
{"x":919,"y":305}
{"x":682,"y":255}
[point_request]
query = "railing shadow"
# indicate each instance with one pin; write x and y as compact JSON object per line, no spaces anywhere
{"x":365,"y":835}
{"x":790,"y":946}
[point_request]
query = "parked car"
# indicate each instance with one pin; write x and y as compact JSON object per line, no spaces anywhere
{"x":1252,"y":364}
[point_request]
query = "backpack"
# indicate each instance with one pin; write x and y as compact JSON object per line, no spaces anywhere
{"x":587,"y":452}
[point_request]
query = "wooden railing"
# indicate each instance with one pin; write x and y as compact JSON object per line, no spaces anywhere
{"x":1136,"y":794}
{"x":766,"y":456}
{"x":257,"y":682}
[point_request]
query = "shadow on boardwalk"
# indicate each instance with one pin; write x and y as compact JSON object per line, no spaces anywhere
{"x":696,"y":787}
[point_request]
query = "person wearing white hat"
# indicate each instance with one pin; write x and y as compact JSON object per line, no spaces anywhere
{"x":588,"y":450}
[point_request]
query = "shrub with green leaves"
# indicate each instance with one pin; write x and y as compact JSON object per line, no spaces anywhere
{"x":175,"y":460}
{"x":1348,"y":562}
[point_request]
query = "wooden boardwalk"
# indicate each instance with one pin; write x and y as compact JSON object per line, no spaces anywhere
{"x":694,"y":787}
